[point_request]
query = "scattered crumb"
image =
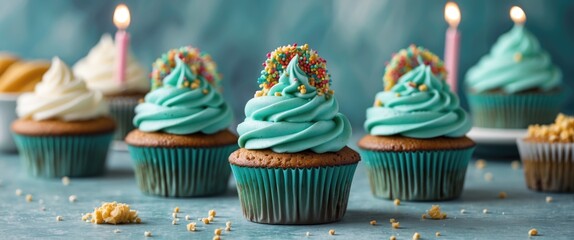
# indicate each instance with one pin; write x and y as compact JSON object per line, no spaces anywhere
{"x":113,"y":213}
{"x":416,"y":236}
{"x":217,"y":231}
{"x":463,"y":211}
{"x":392,"y":220}
{"x":187,"y":217}
{"x":502,"y":195}
{"x":485,"y":211}
{"x":176,"y":210}
{"x":435,"y":213}
{"x":72,"y":198}
{"x":59,"y":218}
{"x":216,"y":237}
{"x":228,"y":229}
{"x":437,"y":234}
{"x":117,"y":231}
{"x":549,"y":199}
{"x":210,"y":218}
{"x":488,"y":176}
{"x":396,"y":225}
{"x":212,"y":213}
{"x":147,"y":233}
{"x":397,"y":202}
{"x":205,"y":220}
{"x":515,"y":164}
{"x":174,"y":215}
{"x":480,"y":164}
{"x":533,"y":232}
{"x":424,"y":216}
{"x":393,"y":237}
{"x":332,"y":232}
{"x":307,"y":234}
{"x":228,"y":224}
{"x":373,"y":222}
{"x":191,"y":227}
{"x":18,"y":192}
{"x":29,"y":197}
{"x":66,"y":181}
{"x":174,"y":222}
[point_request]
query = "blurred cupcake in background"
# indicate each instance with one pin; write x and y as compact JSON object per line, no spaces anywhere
{"x":516,"y":84}
{"x":182,"y":141}
{"x":547,"y":154}
{"x":99,"y":71}
{"x":416,"y":148}
{"x":63,"y":129}
{"x":293,"y":166}
{"x":16,"y":77}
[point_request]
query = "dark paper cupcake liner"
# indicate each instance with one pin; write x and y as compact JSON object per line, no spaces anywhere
{"x":59,"y":156}
{"x":548,"y":167}
{"x":294,"y":195}
{"x":418,"y":175}
{"x":122,"y":110}
{"x":514,"y":111}
{"x":182,"y":172}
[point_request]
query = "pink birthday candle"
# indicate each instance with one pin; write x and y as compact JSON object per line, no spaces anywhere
{"x":452,"y":45}
{"x":122,"y":21}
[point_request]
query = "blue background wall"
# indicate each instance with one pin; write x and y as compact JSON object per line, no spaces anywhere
{"x":356,"y":37}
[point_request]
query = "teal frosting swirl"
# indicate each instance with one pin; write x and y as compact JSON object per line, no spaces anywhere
{"x":516,"y":63}
{"x":294,"y":121}
{"x":409,"y":111}
{"x":178,"y":109}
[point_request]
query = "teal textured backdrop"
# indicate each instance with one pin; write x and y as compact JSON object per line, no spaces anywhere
{"x":356,"y":37}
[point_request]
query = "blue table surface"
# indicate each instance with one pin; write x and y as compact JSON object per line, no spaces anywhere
{"x":509,"y":218}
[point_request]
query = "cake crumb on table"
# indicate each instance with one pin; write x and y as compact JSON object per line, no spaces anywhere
{"x":18,"y":192}
{"x":307,"y":234}
{"x":549,"y":199}
{"x":59,"y":218}
{"x":393,"y":237}
{"x":187,"y":217}
{"x":212,"y":213}
{"x":396,"y":225}
{"x":205,"y":220}
{"x":210,"y":218}
{"x":463,"y":211}
{"x":112,"y":213}
{"x":66,"y":181}
{"x":216,"y":237}
{"x":397,"y":202}
{"x":480,"y":164}
{"x":392,"y":220}
{"x":117,"y":231}
{"x":515,"y":164}
{"x":416,"y":236}
{"x":191,"y":227}
{"x":29,"y":197}
{"x":502,"y":195}
{"x":147,"y":234}
{"x":174,"y":222}
{"x":435,"y":213}
{"x":72,"y":198}
{"x":332,"y":232}
{"x":373,"y":222}
{"x":174,"y":215}
{"x":485,"y":211}
{"x":176,"y":210}
{"x":217,"y":231}
{"x":437,"y":234}
{"x":488,"y":176}
{"x":533,"y":232}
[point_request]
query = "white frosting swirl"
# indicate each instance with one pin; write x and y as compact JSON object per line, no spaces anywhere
{"x":98,"y":69}
{"x":61,"y":95}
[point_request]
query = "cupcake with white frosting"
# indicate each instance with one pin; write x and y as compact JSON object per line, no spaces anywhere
{"x":63,"y":127}
{"x":99,"y":71}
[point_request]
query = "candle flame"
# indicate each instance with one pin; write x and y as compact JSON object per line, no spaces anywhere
{"x":122,"y":16}
{"x":452,"y":14}
{"x":517,"y":15}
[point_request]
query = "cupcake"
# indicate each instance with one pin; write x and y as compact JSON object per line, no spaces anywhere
{"x":547,"y":154}
{"x":63,"y":129}
{"x":515,"y":85}
{"x":293,"y":166}
{"x":181,"y":143}
{"x":416,"y":149}
{"x":99,"y":71}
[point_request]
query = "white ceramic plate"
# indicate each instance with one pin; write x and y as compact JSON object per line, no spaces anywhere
{"x":496,"y":136}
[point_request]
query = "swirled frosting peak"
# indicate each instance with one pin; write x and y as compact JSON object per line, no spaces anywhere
{"x":61,"y":95}
{"x":516,"y":63}
{"x":185,"y":103}
{"x":419,"y":105}
{"x":98,"y":69}
{"x":293,"y":115}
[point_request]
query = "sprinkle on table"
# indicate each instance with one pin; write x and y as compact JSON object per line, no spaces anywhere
{"x":533,"y":232}
{"x":549,"y":199}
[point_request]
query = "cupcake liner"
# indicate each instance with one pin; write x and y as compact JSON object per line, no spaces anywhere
{"x":417,"y":175}
{"x":294,"y":195}
{"x":59,"y":156}
{"x":182,"y":172}
{"x":514,"y":111}
{"x":122,"y":110}
{"x":548,"y":167}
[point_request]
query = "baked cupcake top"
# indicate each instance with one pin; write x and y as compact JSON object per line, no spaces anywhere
{"x":22,"y":76}
{"x":62,"y":96}
{"x":185,"y":101}
{"x":562,"y":130}
{"x":419,"y":104}
{"x":99,"y":71}
{"x":295,"y":110}
{"x":516,"y":63}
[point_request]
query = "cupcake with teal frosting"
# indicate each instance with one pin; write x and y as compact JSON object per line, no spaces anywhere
{"x":293,"y":166}
{"x":416,"y":149}
{"x":515,"y":85}
{"x":182,"y":141}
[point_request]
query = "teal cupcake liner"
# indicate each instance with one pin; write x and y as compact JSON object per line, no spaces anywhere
{"x":59,"y":156}
{"x":122,"y":110}
{"x":490,"y":110}
{"x":417,"y":175}
{"x":294,"y":195}
{"x":182,"y":172}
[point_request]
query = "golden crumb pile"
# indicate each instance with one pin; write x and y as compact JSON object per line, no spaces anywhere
{"x":562,"y":130}
{"x":112,"y":213}
{"x":435,"y":213}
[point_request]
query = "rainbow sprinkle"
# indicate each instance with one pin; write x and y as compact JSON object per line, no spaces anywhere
{"x":201,"y":64}
{"x":407,"y":59}
{"x":309,"y":61}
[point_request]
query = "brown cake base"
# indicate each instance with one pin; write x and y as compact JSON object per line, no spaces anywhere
{"x":406,"y":144}
{"x":158,"y":139}
{"x":62,"y":128}
{"x":307,"y":159}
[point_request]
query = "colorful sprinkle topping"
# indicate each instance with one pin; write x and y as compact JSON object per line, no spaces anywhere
{"x":309,"y":61}
{"x":407,"y":59}
{"x":201,"y":65}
